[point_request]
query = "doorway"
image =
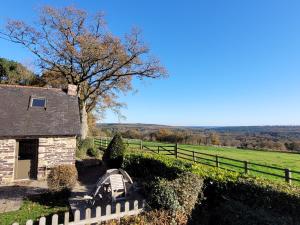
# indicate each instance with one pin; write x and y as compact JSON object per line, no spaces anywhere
{"x":26,"y":159}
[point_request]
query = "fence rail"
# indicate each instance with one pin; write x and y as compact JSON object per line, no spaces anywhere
{"x":218,"y":161}
{"x":95,"y":215}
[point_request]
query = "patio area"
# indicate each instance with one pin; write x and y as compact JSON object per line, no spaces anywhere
{"x":86,"y":184}
{"x":12,"y":196}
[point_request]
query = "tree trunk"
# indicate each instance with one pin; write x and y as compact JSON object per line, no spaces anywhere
{"x":84,"y":120}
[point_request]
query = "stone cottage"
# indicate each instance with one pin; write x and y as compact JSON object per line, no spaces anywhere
{"x":38,"y":130}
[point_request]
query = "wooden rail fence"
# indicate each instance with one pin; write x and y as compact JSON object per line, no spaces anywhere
{"x":218,"y":161}
{"x":96,"y":215}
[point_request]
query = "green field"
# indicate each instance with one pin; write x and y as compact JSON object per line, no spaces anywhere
{"x":276,"y":159}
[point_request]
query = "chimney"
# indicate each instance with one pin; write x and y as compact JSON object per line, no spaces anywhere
{"x":72,"y":90}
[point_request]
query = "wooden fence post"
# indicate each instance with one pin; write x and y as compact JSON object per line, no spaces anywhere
{"x":158,"y":149}
{"x":141,"y":145}
{"x":246,"y":167}
{"x":217,"y":161}
{"x":77,"y":216}
{"x":194,"y":156}
{"x":126,"y":206}
{"x":42,"y":221}
{"x":55,"y":219}
{"x":108,"y":210}
{"x":176,"y":150}
{"x":118,"y":208}
{"x":288,"y":176}
{"x":66,"y":218}
{"x":88,"y":214}
{"x":29,"y":222}
{"x":98,"y":213}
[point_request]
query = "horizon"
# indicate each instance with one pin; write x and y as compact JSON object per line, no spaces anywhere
{"x":200,"y":126}
{"x":230,"y":63}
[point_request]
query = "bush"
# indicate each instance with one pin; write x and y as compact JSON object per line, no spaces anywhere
{"x":162,"y":196}
{"x":86,"y":144}
{"x":63,"y":177}
{"x":114,"y":153}
{"x":80,"y":154}
{"x":188,"y":189}
{"x":93,"y":152}
{"x":86,"y":148}
{"x":179,"y":195}
{"x":154,"y":217}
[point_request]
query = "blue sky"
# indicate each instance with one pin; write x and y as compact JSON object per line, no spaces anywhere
{"x":229,"y":62}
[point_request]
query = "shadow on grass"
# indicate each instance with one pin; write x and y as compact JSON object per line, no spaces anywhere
{"x":51,"y":199}
{"x":54,"y":201}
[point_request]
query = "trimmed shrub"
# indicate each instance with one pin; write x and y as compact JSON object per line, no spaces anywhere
{"x":188,"y":189}
{"x":114,"y":153}
{"x":62,"y":177}
{"x":162,"y":196}
{"x":180,"y":194}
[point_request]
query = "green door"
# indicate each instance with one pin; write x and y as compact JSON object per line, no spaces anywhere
{"x":26,"y":161}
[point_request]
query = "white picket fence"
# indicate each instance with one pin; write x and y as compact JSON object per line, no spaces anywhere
{"x":94,"y":216}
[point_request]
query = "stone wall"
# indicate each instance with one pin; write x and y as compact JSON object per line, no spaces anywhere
{"x":7,"y":160}
{"x":55,"y":151}
{"x":51,"y":152}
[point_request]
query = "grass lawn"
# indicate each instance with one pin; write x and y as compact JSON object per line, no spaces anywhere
{"x":277,"y":159}
{"x":284,"y":160}
{"x":35,"y":207}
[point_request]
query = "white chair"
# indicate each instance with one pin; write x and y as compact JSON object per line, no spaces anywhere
{"x":118,"y":187}
{"x":115,"y":181}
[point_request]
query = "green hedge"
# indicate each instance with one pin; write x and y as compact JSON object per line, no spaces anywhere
{"x":148,"y":166}
{"x":229,"y":197}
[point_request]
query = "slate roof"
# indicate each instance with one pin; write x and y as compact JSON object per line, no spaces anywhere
{"x":18,"y":119}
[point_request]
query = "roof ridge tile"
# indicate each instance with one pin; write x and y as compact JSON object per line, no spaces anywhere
{"x":33,"y":87}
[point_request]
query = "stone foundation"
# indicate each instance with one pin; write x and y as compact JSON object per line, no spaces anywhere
{"x":53,"y":152}
{"x":7,"y":160}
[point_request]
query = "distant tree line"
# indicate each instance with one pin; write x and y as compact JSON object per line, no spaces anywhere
{"x":243,"y":140}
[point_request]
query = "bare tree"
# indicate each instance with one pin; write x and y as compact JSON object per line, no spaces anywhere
{"x":81,"y":49}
